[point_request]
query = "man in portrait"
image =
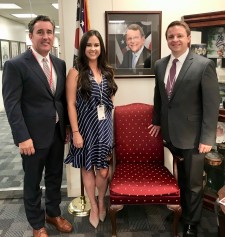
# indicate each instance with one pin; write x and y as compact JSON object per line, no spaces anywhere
{"x":138,"y":56}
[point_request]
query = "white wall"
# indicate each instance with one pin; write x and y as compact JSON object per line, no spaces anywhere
{"x":130,"y":90}
{"x":11,"y":30}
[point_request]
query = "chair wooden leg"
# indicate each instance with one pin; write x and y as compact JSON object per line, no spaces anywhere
{"x":177,"y":214}
{"x":112,"y":212}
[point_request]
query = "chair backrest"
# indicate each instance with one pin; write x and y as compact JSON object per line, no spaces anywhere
{"x":133,"y":142}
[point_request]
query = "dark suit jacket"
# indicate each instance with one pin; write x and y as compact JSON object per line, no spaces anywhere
{"x":29,"y":103}
{"x":190,"y":117}
{"x":144,"y":60}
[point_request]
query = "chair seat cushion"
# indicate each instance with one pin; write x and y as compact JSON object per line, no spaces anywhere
{"x":143,"y":182}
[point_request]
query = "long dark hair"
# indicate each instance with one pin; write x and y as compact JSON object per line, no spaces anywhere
{"x":82,"y":64}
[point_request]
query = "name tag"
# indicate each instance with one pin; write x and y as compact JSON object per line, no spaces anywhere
{"x":101,"y":112}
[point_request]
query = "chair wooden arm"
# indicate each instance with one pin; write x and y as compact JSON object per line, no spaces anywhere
{"x":112,"y":165}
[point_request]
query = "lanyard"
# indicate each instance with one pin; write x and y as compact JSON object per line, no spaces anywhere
{"x":101,"y":91}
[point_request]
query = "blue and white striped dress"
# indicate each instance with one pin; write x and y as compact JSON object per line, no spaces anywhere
{"x":97,"y":134}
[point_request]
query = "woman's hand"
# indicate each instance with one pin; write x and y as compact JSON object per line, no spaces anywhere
{"x":77,"y":140}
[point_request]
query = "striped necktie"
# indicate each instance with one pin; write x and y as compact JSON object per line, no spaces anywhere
{"x":171,"y":78}
{"x":47,"y":72}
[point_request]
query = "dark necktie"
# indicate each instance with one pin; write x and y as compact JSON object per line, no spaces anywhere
{"x":171,"y":78}
{"x":47,"y":72}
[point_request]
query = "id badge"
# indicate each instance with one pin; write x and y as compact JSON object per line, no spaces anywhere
{"x":101,"y":112}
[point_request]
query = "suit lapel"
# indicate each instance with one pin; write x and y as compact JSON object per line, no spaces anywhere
{"x":163,"y":67}
{"x":187,"y":63}
{"x":161,"y":74}
{"x":36,"y":68}
{"x":142,"y":57}
{"x":58,"y":74}
{"x":130,"y":57}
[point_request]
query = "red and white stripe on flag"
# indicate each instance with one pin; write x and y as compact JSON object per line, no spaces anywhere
{"x":82,"y":23}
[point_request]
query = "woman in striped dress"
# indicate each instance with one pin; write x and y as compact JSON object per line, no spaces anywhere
{"x":90,"y":89}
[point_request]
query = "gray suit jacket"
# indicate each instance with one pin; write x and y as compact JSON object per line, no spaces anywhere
{"x":29,"y":103}
{"x":191,"y":115}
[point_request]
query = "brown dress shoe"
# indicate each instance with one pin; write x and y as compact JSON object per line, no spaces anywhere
{"x":60,"y":223}
{"x":40,"y":233}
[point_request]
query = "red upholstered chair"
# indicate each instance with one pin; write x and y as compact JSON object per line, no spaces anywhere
{"x":140,"y":176}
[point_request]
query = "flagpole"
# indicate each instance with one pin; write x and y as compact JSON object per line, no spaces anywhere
{"x":80,"y":206}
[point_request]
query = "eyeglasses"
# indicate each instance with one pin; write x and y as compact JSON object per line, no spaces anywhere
{"x":133,"y":38}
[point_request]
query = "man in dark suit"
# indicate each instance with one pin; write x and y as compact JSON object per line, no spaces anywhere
{"x":138,"y":56}
{"x":187,"y":116}
{"x":36,"y":108}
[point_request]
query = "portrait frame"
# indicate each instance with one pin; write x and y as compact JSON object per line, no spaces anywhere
{"x":5,"y":51}
{"x":54,"y":51}
{"x":22,"y":47}
{"x":0,"y":58}
{"x":14,"y":49}
{"x":116,"y":23}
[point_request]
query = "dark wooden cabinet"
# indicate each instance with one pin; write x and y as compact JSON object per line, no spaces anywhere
{"x":205,"y":19}
{"x":212,"y":28}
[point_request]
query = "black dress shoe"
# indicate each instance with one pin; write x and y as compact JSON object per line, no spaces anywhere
{"x":190,"y":231}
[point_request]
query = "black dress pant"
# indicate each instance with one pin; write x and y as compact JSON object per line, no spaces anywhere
{"x":190,"y":180}
{"x":49,"y":162}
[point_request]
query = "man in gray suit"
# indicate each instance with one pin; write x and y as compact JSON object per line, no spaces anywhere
{"x":35,"y":104}
{"x":187,"y":116}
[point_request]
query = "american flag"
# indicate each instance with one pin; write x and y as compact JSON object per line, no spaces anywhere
{"x":120,"y":47}
{"x":82,"y":24}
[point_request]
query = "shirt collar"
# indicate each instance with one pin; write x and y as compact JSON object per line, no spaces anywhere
{"x":181,"y":58}
{"x":38,"y":56}
{"x":137,"y":54}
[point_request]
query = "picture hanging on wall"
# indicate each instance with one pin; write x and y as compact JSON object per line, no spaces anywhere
{"x":14,"y":48}
{"x":5,"y":52}
{"x":216,"y":42}
{"x":23,"y":47}
{"x":216,"y":49}
{"x":0,"y":59}
{"x":133,"y":42}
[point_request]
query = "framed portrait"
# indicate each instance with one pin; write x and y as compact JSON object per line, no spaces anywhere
{"x":215,"y":37}
{"x":0,"y":60}
{"x":133,"y":42}
{"x":54,"y":51}
{"x":5,"y":51}
{"x":216,"y":42}
{"x":22,"y":47}
{"x":14,"y":48}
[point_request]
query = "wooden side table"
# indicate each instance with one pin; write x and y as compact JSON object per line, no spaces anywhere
{"x":214,"y":178}
{"x":221,"y":212}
